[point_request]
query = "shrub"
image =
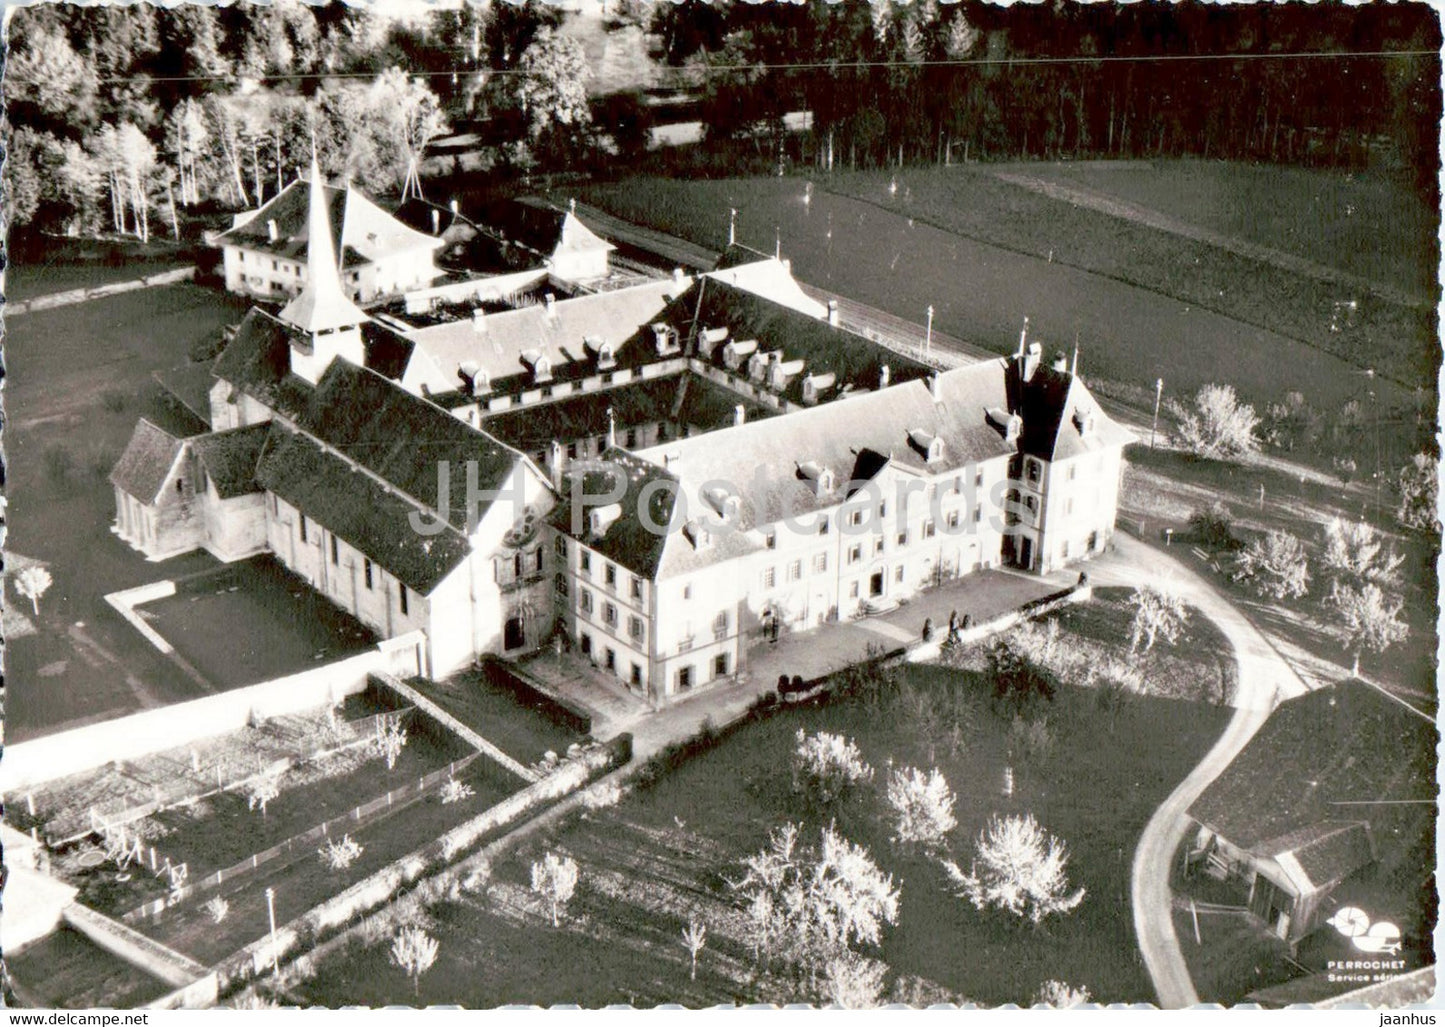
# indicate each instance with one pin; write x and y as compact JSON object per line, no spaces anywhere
{"x":602,"y":795}
{"x":1159,"y":612}
{"x":1018,"y":682}
{"x":827,"y":766}
{"x":554,"y":879}
{"x":1275,"y":564}
{"x":413,"y":951}
{"x":1060,"y":995}
{"x":338,"y":855}
{"x":217,"y":908}
{"x":1213,"y":527}
{"x":455,"y":791}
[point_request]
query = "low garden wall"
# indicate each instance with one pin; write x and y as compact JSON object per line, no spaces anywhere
{"x":569,"y":715}
{"x":72,"y":296}
{"x":49,"y":757}
{"x":381,"y":887}
{"x":135,"y":948}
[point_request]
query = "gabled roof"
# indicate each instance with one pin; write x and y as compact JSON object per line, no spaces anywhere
{"x":257,"y":361}
{"x":361,"y":231}
{"x":1324,"y":853}
{"x":675,"y":399}
{"x":359,"y":509}
{"x":767,"y":277}
{"x":230,"y":458}
{"x":1054,"y":406}
{"x":404,"y":439}
{"x":544,"y":228}
{"x":190,"y":385}
{"x":855,"y":438}
{"x":147,"y":461}
{"x":631,"y":541}
{"x":854,"y":362}
{"x":1330,"y":756}
{"x":560,"y":334}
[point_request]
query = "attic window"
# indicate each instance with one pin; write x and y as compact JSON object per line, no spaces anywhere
{"x":540,"y":365}
{"x":929,"y":446}
{"x":664,"y":337}
{"x":821,"y":478}
{"x":697,"y":534}
{"x":600,"y":518}
{"x":815,"y":385}
{"x":603,"y":350}
{"x":736,"y":351}
{"x":1084,"y":420}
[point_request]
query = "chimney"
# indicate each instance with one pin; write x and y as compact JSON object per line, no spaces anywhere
{"x":456,"y":207}
{"x":740,"y":414}
{"x":555,"y":459}
{"x":677,"y":277}
{"x":572,"y":206}
{"x":1061,"y":361}
{"x":833,"y":313}
{"x":884,"y":376}
{"x":479,"y":320}
{"x":436,"y":222}
{"x":1023,"y":337}
{"x":551,"y":302}
{"x":933,"y":389}
{"x":271,"y":229}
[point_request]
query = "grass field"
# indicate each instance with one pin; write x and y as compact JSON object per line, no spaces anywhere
{"x":666,"y":853}
{"x":1143,"y":304}
{"x":519,"y":730}
{"x":66,"y":970}
{"x":61,"y":367}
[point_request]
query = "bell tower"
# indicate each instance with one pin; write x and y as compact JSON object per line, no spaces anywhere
{"x":326,"y":323}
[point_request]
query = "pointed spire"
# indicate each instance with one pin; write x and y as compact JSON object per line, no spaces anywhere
{"x":322,"y":305}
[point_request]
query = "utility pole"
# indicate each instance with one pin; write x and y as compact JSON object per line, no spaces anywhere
{"x":732,"y":225}
{"x":1158,"y":395}
{"x":928,"y":332}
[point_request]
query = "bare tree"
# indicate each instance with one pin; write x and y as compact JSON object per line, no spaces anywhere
{"x":261,"y":790}
{"x":694,"y":937}
{"x":338,"y":855}
{"x":1419,"y":486}
{"x":390,"y":738}
{"x":33,"y":582}
{"x":1159,"y":612}
{"x":854,"y":981}
{"x":1061,"y":995}
{"x":554,"y":878}
{"x":1019,"y":868}
{"x":413,"y":952}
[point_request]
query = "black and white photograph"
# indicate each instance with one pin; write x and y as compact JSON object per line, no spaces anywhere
{"x":834,"y":503}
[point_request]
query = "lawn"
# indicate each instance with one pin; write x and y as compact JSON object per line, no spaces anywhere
{"x":1164,"y":488}
{"x":1143,"y":304}
{"x":521,"y":731}
{"x":77,"y":379}
{"x":66,"y":970}
{"x":666,"y":853}
{"x":252,"y":622}
{"x":1365,"y":223}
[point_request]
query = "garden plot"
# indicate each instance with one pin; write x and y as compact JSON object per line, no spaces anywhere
{"x":669,"y":854}
{"x":66,"y":969}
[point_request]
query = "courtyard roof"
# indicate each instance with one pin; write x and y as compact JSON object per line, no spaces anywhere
{"x":146,"y":463}
{"x":230,"y":458}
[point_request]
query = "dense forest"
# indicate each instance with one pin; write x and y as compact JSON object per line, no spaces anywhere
{"x":121,"y":115}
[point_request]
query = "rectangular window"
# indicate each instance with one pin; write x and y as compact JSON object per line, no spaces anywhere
{"x":853,"y":590}
{"x":855,"y":518}
{"x":611,"y":660}
{"x":684,"y":678}
{"x":720,"y":624}
{"x":609,"y":575}
{"x":636,"y":676}
{"x":771,"y":540}
{"x":978,"y":515}
{"x":795,"y":570}
{"x":560,"y":544}
{"x":636,"y":588}
{"x":1068,"y":506}
{"x":903,"y":538}
{"x":1032,"y":470}
{"x":878,"y":545}
{"x":559,"y":581}
{"x":1065,"y":550}
{"x":366,"y":572}
{"x":609,"y":614}
{"x":585,"y":601}
{"x":820,"y":563}
{"x":537,"y":560}
{"x":631,"y":438}
{"x":1072,"y":470}
{"x":882,"y":510}
{"x":401,"y":597}
{"x":898,"y":574}
{"x":634,"y":627}
{"x":687,"y":591}
{"x":978,"y":480}
{"x":928,"y":529}
{"x":571,"y":451}
{"x":953,"y":519}
{"x":720,"y":665}
{"x":770,"y":577}
{"x":584,"y":641}
{"x":855,"y":552}
{"x":586,"y":562}
{"x":823,"y":525}
{"x":335,"y":556}
{"x":303,"y":528}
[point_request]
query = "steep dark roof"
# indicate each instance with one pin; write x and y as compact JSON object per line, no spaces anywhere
{"x":1323,"y":758}
{"x":387,"y":351}
{"x":823,"y":349}
{"x":628,"y":541}
{"x":360,"y":510}
{"x":230,"y":458}
{"x":148,"y":458}
{"x":190,"y":385}
{"x":542,"y":227}
{"x":1049,"y":403}
{"x":1329,"y":851}
{"x":675,"y":399}
{"x":402,"y":438}
{"x":257,"y":361}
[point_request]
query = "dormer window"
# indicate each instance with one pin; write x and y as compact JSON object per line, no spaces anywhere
{"x":929,"y":446}
{"x":816,"y":385}
{"x":1084,"y":420}
{"x":664,"y":338}
{"x":696,"y":533}
{"x":821,"y":478}
{"x":539,"y":364}
{"x":599,"y":519}
{"x":781,"y":372}
{"x":737,"y":351}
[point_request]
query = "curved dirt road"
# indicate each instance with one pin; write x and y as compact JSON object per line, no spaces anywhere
{"x":1264,"y":679}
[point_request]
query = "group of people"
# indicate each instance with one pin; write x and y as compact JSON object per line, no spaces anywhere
{"x":955,"y":626}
